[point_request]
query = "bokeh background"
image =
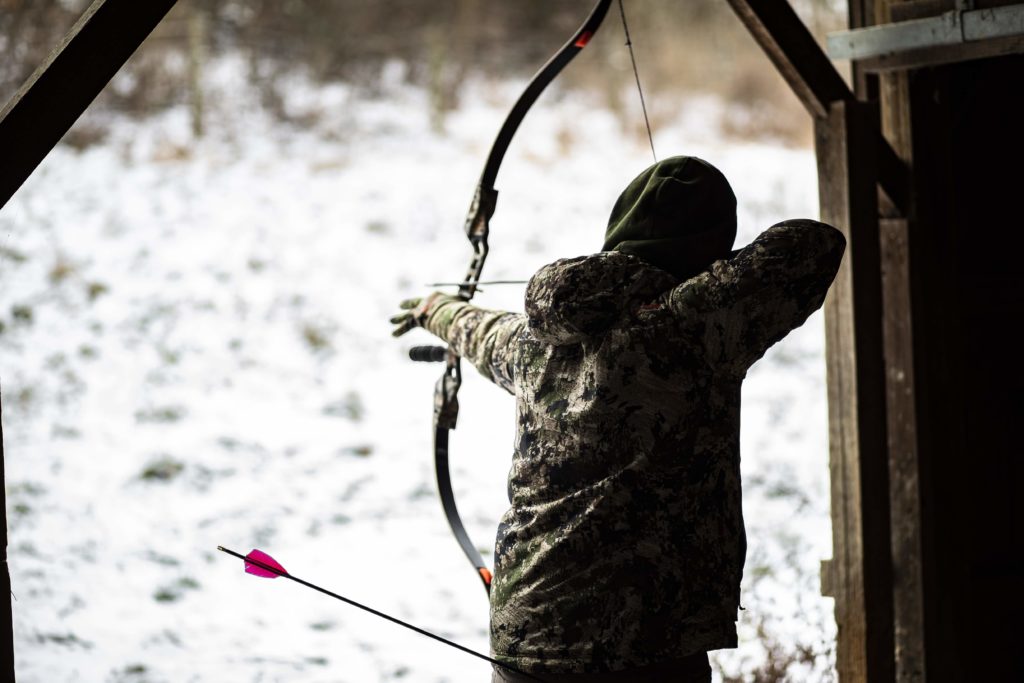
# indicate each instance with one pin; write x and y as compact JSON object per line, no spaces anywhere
{"x":194,"y":351}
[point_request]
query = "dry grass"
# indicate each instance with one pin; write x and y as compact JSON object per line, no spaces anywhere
{"x":699,"y":48}
{"x":85,"y":134}
{"x":682,"y":48}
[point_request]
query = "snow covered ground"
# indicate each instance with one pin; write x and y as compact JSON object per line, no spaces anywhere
{"x":195,"y":351}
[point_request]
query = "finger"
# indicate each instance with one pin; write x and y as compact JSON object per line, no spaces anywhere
{"x":409,"y":304}
{"x":400,"y":318}
{"x":403,"y":328}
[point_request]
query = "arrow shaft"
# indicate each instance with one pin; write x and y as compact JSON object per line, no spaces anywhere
{"x":481,"y":282}
{"x":377,"y":613}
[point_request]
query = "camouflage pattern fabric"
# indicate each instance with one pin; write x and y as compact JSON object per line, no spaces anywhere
{"x":624,"y":544}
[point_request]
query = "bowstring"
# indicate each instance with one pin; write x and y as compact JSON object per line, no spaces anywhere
{"x":636,"y":74}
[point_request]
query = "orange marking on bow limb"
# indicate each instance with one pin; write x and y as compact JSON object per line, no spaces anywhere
{"x":584,"y":39}
{"x":486,"y":574}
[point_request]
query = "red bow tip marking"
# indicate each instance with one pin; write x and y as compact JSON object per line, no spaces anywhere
{"x":261,"y":558}
{"x":485,"y":574}
{"x":584,"y":39}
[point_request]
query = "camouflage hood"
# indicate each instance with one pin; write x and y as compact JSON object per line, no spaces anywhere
{"x":679,"y":215}
{"x":574,"y":299}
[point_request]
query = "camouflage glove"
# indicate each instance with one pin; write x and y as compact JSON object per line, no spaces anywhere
{"x":417,"y":312}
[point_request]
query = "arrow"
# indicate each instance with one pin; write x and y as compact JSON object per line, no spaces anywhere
{"x":259,"y":563}
{"x":481,"y":282}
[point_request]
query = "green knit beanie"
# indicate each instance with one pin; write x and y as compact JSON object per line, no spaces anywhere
{"x":679,"y":215}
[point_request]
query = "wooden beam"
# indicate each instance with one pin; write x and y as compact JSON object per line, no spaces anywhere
{"x":859,"y":573}
{"x":949,"y":30}
{"x":816,"y":82}
{"x":945,"y":54}
{"x":53,"y":98}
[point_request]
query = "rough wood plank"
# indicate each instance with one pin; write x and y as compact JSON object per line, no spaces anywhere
{"x":905,"y":471}
{"x":944,"y":54}
{"x":904,"y":454}
{"x":860,"y":569}
{"x":53,"y":98}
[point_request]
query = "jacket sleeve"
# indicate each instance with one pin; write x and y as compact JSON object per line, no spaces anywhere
{"x":740,"y":307}
{"x":485,"y":338}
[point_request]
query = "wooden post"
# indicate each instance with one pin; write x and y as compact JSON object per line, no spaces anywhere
{"x":6,"y":612}
{"x":902,"y":381}
{"x":904,"y":455}
{"x":900,"y":258}
{"x":858,"y":576}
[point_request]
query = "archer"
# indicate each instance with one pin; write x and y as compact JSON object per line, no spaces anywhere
{"x":621,"y":555}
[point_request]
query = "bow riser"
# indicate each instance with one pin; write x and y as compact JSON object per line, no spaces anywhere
{"x":477,"y":227}
{"x":478,"y":222}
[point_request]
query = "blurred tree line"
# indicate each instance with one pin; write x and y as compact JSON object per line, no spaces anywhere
{"x":682,"y":46}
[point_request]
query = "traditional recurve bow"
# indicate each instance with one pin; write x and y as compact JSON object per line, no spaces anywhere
{"x":477,"y":226}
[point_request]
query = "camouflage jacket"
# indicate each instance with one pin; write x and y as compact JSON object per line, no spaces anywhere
{"x":624,"y":544}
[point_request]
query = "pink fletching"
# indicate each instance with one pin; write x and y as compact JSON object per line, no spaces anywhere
{"x":262,"y":558}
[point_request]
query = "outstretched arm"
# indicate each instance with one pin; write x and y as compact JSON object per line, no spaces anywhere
{"x":486,"y":338}
{"x":740,"y":307}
